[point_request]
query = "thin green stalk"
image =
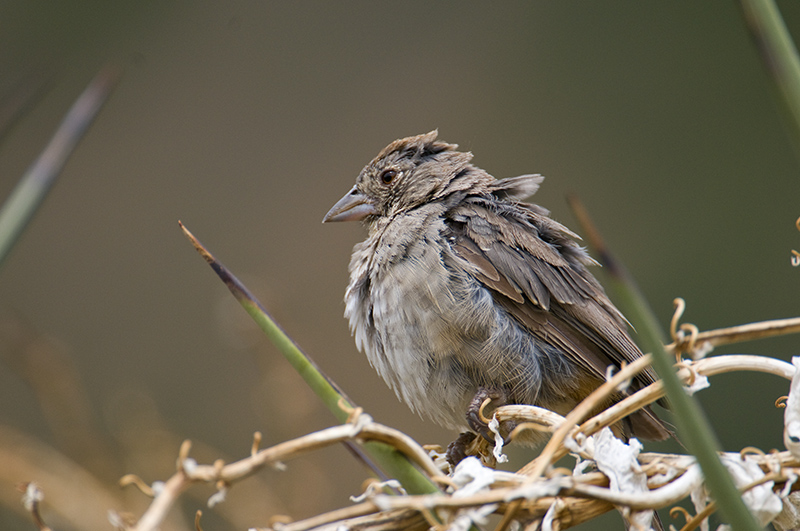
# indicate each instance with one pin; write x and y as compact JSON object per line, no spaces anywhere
{"x":392,"y":462}
{"x":31,"y":190}
{"x":693,"y":428}
{"x":779,"y":53}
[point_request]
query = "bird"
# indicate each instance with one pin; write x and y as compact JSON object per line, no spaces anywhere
{"x":463,"y":292}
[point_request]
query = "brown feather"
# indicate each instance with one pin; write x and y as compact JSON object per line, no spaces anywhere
{"x":562,"y":303}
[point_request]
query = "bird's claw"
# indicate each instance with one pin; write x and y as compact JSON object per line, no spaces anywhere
{"x":478,"y":422}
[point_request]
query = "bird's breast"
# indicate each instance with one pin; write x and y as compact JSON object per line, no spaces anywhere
{"x":406,"y":308}
{"x":432,"y":330}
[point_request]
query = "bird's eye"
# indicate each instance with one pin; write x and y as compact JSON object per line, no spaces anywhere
{"x":387,"y":176}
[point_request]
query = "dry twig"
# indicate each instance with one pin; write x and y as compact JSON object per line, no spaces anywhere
{"x":537,"y":491}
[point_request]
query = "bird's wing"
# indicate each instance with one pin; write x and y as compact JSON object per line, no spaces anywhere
{"x":534,"y":270}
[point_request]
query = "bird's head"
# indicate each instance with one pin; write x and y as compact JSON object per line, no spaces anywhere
{"x":406,"y":174}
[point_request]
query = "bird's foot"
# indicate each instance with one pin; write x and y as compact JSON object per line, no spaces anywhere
{"x":478,"y":422}
{"x":459,"y":449}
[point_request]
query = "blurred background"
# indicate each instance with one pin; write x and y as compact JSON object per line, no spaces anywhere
{"x":247,"y":120}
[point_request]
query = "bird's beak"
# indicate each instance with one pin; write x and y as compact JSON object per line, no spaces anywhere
{"x":354,"y":206}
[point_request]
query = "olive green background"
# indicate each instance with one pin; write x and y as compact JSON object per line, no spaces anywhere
{"x":247,"y":120}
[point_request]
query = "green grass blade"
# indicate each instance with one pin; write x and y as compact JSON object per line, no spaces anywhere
{"x":692,"y":426}
{"x":392,"y":462}
{"x":779,"y":54}
{"x":31,"y":190}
